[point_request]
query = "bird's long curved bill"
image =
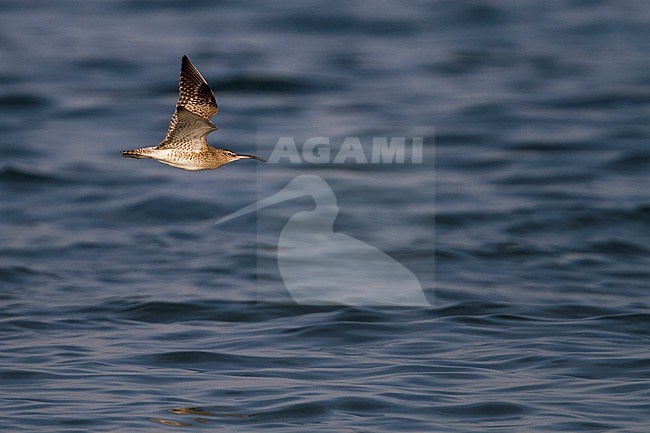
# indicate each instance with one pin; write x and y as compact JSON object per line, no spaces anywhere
{"x":251,"y":157}
{"x":287,"y":193}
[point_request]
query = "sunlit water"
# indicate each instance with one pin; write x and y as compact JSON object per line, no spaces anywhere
{"x":124,"y":308}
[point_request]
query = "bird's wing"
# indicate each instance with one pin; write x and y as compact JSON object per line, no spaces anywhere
{"x":194,"y":94}
{"x":187,"y":131}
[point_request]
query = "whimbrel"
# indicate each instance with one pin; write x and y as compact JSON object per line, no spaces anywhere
{"x":185,"y":145}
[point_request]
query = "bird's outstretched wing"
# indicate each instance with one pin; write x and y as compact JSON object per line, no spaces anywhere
{"x":194,"y":94}
{"x":187,"y":131}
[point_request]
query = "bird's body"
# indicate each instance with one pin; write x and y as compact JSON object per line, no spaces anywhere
{"x":185,"y":145}
{"x":206,"y":159}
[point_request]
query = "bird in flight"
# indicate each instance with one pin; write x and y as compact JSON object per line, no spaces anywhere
{"x":185,"y":145}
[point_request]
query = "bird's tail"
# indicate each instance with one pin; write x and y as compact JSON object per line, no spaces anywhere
{"x":137,"y":153}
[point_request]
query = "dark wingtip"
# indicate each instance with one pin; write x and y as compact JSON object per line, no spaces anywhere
{"x":185,"y":63}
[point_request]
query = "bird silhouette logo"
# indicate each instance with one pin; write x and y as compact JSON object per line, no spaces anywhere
{"x":322,"y":267}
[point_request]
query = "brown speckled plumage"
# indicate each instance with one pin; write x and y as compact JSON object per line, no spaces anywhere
{"x":185,"y":145}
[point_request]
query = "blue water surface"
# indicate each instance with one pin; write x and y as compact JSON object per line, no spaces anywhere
{"x":527,"y":223}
